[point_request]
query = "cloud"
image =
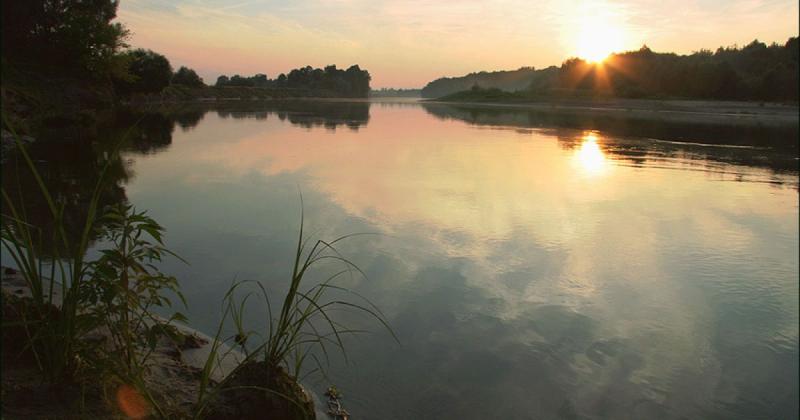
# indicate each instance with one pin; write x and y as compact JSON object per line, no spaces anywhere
{"x":412,"y":42}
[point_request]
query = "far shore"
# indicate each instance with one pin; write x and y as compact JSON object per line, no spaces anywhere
{"x":674,"y":110}
{"x":678,"y":110}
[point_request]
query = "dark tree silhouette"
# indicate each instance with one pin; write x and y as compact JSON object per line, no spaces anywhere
{"x":330,"y":81}
{"x":64,"y":37}
{"x":188,"y":77}
{"x":754,"y":72}
{"x":222,"y":80}
{"x":150,"y":71}
{"x":505,"y":80}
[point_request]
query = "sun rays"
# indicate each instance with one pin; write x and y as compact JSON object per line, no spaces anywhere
{"x":597,"y":39}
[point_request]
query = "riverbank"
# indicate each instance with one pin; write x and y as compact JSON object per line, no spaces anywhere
{"x":770,"y":126}
{"x":691,"y":111}
{"x":174,"y":374}
{"x":179,"y":93}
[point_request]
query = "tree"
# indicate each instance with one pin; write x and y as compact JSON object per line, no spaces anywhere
{"x":327,"y":82}
{"x":188,"y":77}
{"x":74,"y":37}
{"x":359,"y":81}
{"x":280,"y":81}
{"x":222,"y":80}
{"x":260,"y":80}
{"x":150,"y":71}
{"x":237,"y":80}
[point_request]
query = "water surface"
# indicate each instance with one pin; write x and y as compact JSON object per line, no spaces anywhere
{"x":529,"y":270}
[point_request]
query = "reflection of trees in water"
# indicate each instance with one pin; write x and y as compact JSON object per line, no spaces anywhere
{"x":629,"y":138}
{"x":396,"y":103}
{"x":71,"y":160}
{"x":306,"y":114}
{"x":148,"y":131}
{"x":71,"y":170}
{"x":188,"y":118}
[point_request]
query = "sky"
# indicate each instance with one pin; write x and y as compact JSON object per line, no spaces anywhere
{"x":406,"y":44}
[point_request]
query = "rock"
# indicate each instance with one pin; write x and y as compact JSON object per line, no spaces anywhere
{"x":240,"y":399}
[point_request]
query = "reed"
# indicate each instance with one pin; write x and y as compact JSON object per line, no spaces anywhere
{"x":302,"y":328}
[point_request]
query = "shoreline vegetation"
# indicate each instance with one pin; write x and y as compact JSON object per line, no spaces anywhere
{"x":100,"y":350}
{"x":82,"y":335}
{"x":755,"y":72}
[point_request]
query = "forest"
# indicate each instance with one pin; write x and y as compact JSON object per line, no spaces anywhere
{"x":350,"y":83}
{"x":755,"y":72}
{"x":511,"y":80}
{"x":70,"y":54}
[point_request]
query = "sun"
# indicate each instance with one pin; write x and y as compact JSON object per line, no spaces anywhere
{"x":597,"y":39}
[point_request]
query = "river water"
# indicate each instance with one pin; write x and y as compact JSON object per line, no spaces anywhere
{"x":529,"y":267}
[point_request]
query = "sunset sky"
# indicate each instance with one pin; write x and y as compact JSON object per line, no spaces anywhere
{"x":409,"y":43}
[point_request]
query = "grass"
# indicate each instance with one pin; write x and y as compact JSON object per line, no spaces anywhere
{"x":303,"y":325}
{"x":112,"y":296}
{"x":115,"y":295}
{"x":52,"y":340}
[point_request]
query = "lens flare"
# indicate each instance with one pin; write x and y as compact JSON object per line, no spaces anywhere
{"x":132,"y":403}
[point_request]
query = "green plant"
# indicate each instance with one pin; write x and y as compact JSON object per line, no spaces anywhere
{"x":126,"y":287}
{"x":112,"y":297}
{"x":303,"y":325}
{"x":54,"y":329}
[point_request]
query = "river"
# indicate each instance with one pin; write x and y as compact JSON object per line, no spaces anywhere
{"x":529,"y":268}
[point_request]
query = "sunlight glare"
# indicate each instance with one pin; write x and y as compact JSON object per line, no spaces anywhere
{"x":597,"y":39}
{"x":590,"y":157}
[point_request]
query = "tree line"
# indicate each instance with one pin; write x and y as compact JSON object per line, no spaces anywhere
{"x":353,"y":82}
{"x":395,"y":93}
{"x":75,"y":45}
{"x":756,"y":71}
{"x":510,"y":80}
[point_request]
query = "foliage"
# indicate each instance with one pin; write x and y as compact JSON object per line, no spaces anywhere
{"x":54,"y":336}
{"x":302,"y":330}
{"x":188,"y":77}
{"x":479,"y":94}
{"x":105,"y":328}
{"x":74,"y":37}
{"x":352,"y":82}
{"x":124,"y":288}
{"x":110,"y":297}
{"x":259,"y":80}
{"x":506,"y":80}
{"x":151,"y":72}
{"x":330,"y":81}
{"x":395,"y":93}
{"x":754,"y":72}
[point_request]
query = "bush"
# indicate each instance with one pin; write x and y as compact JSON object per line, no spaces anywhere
{"x":188,"y":77}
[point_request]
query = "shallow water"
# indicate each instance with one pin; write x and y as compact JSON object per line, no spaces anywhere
{"x":529,"y":271}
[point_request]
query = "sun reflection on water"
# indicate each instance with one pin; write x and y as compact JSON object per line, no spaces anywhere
{"x":590,"y":157}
